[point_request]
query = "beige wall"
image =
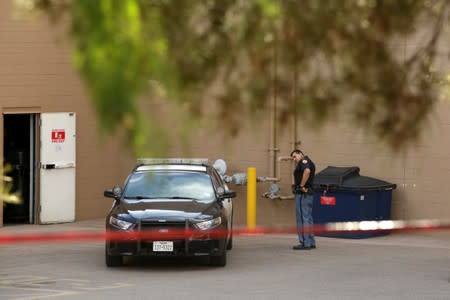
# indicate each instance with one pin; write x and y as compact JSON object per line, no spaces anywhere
{"x":36,"y":73}
{"x":36,"y":76}
{"x":421,"y":173}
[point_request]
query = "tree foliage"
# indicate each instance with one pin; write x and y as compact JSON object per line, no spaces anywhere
{"x":314,"y":56}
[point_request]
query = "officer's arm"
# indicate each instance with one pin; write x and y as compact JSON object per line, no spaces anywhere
{"x":305,"y":177}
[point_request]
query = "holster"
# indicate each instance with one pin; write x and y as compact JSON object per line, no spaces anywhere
{"x":297,"y":190}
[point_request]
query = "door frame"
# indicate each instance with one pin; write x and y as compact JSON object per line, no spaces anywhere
{"x":34,"y":179}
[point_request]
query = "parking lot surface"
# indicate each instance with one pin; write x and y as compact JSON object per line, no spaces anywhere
{"x":396,"y":266}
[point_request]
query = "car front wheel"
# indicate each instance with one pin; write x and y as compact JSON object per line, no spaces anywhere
{"x":219,"y":260}
{"x":112,"y":260}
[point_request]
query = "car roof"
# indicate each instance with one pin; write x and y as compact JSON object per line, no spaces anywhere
{"x":171,"y":167}
{"x":181,"y":164}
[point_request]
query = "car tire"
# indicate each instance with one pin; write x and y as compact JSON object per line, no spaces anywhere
{"x":219,"y":260}
{"x":112,"y":260}
{"x":230,"y":241}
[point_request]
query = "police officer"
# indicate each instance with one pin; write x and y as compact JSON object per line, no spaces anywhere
{"x":304,"y":195}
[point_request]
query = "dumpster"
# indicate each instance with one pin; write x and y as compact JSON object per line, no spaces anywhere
{"x":341,"y":194}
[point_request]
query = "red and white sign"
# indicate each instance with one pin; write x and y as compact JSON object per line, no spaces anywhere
{"x":327,"y":200}
{"x":58,"y":135}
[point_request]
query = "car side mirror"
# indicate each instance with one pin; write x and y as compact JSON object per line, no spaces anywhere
{"x":115,"y":192}
{"x":108,"y":193}
{"x":229,"y":194}
{"x":225,"y":194}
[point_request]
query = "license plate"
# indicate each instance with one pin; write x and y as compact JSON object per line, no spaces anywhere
{"x":163,"y":246}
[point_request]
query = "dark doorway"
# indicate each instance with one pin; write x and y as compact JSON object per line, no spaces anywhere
{"x":18,"y":145}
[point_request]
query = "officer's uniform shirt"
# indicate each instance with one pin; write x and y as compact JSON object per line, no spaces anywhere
{"x":304,"y":163}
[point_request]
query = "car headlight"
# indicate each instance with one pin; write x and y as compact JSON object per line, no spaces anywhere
{"x":205,"y":225}
{"x":121,"y":224}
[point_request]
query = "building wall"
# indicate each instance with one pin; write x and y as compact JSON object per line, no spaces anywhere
{"x":420,"y":173}
{"x":36,"y":75}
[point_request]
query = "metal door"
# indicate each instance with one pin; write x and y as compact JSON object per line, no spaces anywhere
{"x":57,"y":167}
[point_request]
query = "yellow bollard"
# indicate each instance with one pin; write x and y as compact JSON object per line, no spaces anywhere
{"x":251,"y":198}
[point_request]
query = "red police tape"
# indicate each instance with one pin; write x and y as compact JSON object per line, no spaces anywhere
{"x":166,"y":234}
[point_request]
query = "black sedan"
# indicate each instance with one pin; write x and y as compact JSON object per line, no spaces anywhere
{"x":170,"y":208}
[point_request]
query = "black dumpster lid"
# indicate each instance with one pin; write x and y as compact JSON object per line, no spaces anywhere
{"x":335,"y":175}
{"x":348,"y":178}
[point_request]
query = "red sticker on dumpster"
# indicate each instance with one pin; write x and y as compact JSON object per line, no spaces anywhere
{"x":327,"y":200}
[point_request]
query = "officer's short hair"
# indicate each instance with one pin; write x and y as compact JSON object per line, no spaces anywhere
{"x":298,"y":151}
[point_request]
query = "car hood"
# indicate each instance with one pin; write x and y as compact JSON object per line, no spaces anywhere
{"x":167,"y":209}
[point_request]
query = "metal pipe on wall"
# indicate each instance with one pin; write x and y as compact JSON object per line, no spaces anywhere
{"x":294,"y":100}
{"x":277,"y":176}
{"x":275,"y":161}
{"x":273,"y":147}
{"x":266,"y":195}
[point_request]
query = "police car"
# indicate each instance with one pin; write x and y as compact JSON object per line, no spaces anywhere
{"x":170,"y":207}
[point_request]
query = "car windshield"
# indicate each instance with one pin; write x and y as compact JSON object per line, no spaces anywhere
{"x":170,"y":185}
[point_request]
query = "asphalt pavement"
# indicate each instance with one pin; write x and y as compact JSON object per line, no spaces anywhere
{"x":413,"y":265}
